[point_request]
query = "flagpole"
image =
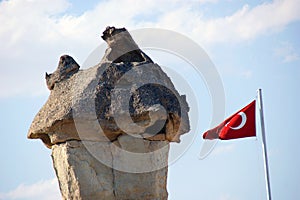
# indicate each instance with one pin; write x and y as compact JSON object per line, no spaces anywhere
{"x":264,"y":145}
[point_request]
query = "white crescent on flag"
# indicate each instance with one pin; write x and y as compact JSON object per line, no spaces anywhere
{"x":242,"y":124}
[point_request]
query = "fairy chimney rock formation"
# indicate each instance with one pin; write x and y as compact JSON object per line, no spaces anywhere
{"x":109,"y":126}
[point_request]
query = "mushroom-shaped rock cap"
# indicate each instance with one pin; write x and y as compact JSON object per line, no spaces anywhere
{"x":126,"y":93}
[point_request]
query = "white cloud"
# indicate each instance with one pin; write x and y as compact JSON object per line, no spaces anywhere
{"x":291,"y":57}
{"x":247,"y":74}
{"x":244,"y":24}
{"x":42,"y":190}
{"x":223,"y":148}
{"x":286,"y":52}
{"x":226,"y":197}
{"x":236,"y":71}
{"x":34,"y":33}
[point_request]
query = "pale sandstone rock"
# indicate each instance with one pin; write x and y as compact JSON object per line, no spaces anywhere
{"x":148,"y":185}
{"x":82,"y":176}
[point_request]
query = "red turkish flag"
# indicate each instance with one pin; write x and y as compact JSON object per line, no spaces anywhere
{"x":239,"y":125}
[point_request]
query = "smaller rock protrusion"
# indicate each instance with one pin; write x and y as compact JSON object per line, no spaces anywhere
{"x":67,"y":66}
{"x":122,"y":47}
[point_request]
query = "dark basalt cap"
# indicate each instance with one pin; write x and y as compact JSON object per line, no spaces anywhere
{"x":111,"y":31}
{"x":126,"y":93}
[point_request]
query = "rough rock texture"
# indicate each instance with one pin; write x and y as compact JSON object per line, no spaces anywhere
{"x":109,"y":126}
{"x":67,"y":66}
{"x":82,"y":176}
{"x":125,"y":93}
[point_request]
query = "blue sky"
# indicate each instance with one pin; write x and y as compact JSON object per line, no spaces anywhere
{"x":253,"y":44}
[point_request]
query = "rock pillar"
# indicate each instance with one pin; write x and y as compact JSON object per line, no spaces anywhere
{"x":109,"y":126}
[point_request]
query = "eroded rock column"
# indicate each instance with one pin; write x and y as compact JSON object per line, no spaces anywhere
{"x":81,"y":175}
{"x":109,"y":126}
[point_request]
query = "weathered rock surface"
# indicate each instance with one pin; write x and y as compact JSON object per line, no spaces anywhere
{"x":109,"y":126}
{"x":67,"y":66}
{"x":125,"y":93}
{"x":82,"y":176}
